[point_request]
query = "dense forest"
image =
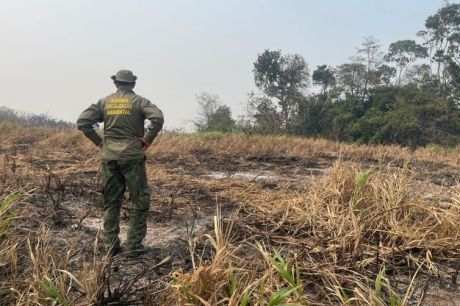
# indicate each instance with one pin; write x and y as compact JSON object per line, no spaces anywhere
{"x":407,"y":95}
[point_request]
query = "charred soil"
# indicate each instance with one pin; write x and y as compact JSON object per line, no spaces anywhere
{"x":225,"y":218}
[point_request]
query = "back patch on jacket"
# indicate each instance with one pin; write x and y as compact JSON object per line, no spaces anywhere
{"x":118,"y":106}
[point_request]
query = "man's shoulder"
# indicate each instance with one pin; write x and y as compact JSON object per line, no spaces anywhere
{"x":108,"y":97}
{"x":141,"y":98}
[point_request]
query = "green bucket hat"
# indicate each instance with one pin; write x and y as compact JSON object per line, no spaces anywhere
{"x":126,"y":76}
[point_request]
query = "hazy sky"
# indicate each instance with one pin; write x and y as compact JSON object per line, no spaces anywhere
{"x":57,"y":56}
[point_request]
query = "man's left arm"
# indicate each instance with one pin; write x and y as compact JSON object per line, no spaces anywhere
{"x":155,"y":116}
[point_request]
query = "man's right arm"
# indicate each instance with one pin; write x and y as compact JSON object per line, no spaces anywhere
{"x":86,"y":121}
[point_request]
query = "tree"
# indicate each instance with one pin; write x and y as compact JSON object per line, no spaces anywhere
{"x":310,"y":109}
{"x":213,"y":116}
{"x":351,"y":78}
{"x":221,"y":120}
{"x":403,"y":53}
{"x":443,"y":38}
{"x":385,"y":74}
{"x":267,"y":119}
{"x":371,"y":57}
{"x":420,"y":75}
{"x":324,"y":77}
{"x":283,"y":77}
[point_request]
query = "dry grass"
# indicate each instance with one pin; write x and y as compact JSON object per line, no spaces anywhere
{"x":367,"y":232}
{"x":34,"y":265}
{"x":288,"y":146}
{"x":334,"y":240}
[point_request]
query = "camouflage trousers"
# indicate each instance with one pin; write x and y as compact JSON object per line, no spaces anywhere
{"x":116,"y":176}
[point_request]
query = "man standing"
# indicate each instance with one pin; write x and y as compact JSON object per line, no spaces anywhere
{"x":123,"y":157}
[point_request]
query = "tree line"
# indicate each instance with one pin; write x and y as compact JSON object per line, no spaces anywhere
{"x":407,"y":95}
{"x":15,"y":118}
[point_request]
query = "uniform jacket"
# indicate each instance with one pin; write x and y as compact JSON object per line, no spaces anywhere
{"x":123,"y":114}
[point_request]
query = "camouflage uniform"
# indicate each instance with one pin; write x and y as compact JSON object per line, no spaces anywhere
{"x":123,"y":157}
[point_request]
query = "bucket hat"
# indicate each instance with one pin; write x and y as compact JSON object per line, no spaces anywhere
{"x":126,"y":76}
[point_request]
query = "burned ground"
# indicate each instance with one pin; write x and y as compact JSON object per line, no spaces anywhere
{"x":274,"y":199}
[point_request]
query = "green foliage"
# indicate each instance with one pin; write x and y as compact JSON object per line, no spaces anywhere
{"x":277,"y":298}
{"x":280,"y":76}
{"x":52,"y":292}
{"x":324,"y":76}
{"x":291,"y":276}
{"x":221,"y":120}
{"x":213,"y":116}
{"x":233,"y":286}
{"x":409,"y":97}
{"x":283,"y":78}
{"x":185,"y":288}
{"x":403,"y":53}
{"x":5,"y":216}
{"x":382,"y":285}
{"x":407,"y":116}
{"x":267,"y":119}
{"x":378,"y":285}
{"x":351,"y":78}
{"x":360,"y":183}
{"x":245,"y":299}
